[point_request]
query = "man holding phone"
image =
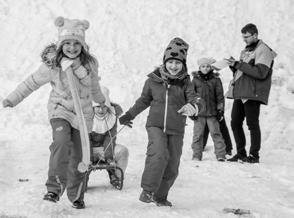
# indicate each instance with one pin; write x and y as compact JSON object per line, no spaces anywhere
{"x":250,"y":88}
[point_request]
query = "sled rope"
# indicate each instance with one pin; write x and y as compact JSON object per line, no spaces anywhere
{"x":111,"y":140}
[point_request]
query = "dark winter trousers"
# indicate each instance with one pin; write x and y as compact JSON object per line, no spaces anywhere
{"x":66,"y":153}
{"x":162,"y":162}
{"x":250,"y":109}
{"x":225,"y":133}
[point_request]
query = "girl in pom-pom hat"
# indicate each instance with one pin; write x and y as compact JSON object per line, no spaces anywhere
{"x":73,"y":74}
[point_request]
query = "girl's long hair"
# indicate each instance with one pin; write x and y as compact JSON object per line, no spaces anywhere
{"x":85,"y":57}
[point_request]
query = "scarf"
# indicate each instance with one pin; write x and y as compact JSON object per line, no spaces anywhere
{"x":84,"y":164}
{"x":102,"y":124}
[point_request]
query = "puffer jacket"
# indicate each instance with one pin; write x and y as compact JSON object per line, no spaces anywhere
{"x":210,"y":89}
{"x":165,"y":99}
{"x":88,"y":90}
{"x":253,"y":73}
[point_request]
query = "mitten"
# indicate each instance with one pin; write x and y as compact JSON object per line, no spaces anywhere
{"x":230,"y":61}
{"x":220,"y":115}
{"x":7,"y":103}
{"x":189,"y":110}
{"x":81,"y":72}
{"x":117,"y":108}
{"x":126,"y":119}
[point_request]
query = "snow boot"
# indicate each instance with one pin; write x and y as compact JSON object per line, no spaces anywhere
{"x":146,"y":196}
{"x":78,"y":204}
{"x":237,"y":157}
{"x":221,"y":159}
{"x":162,"y":202}
{"x":51,"y":196}
{"x":115,"y":181}
{"x":251,"y":159}
{"x":196,"y":157}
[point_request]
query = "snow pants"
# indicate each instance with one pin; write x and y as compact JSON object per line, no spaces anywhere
{"x":162,"y":162}
{"x":225,"y":133}
{"x":213,"y":126}
{"x":66,"y":153}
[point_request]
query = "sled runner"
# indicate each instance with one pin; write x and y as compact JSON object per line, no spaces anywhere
{"x":115,"y":180}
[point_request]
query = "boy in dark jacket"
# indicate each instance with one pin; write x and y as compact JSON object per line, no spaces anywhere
{"x":209,"y":86}
{"x":169,"y":93}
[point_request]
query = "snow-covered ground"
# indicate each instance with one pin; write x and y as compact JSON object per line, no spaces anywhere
{"x":129,"y":37}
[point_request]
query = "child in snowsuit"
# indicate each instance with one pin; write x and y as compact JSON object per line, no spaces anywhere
{"x":209,"y":86}
{"x":69,"y":55}
{"x":171,"y":98}
{"x":225,"y":133}
{"x":103,"y":138}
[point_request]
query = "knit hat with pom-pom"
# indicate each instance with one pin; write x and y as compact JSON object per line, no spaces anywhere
{"x":105,"y":92}
{"x":71,"y":29}
{"x":208,"y":61}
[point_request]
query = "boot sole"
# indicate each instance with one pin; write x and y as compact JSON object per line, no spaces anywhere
{"x":50,"y":199}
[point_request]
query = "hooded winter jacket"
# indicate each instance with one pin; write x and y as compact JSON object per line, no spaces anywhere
{"x":253,"y":73}
{"x":165,"y":98}
{"x":88,"y":90}
{"x":210,"y":89}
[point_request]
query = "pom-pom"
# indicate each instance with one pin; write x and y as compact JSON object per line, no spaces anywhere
{"x":86,"y":24}
{"x":59,"y":21}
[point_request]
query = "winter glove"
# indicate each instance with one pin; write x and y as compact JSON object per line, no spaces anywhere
{"x":220,"y":115}
{"x":118,"y":109}
{"x":126,"y":119}
{"x":189,"y":110}
{"x":230,"y":61}
{"x":81,"y":72}
{"x":7,"y":103}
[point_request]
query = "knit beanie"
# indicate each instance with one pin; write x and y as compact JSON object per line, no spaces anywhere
{"x":105,"y":92}
{"x":208,"y":61}
{"x":71,"y":29}
{"x":176,"y":49}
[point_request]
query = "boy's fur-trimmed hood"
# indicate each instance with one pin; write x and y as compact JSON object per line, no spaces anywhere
{"x":197,"y":74}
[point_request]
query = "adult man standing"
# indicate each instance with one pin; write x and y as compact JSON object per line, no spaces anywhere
{"x":250,"y":88}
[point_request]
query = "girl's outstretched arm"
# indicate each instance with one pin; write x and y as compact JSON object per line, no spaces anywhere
{"x":32,"y":83}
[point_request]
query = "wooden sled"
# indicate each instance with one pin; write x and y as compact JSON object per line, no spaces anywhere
{"x":115,"y":181}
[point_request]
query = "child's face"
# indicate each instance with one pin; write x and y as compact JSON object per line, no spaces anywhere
{"x":100,"y":111}
{"x":71,"y":48}
{"x":205,"y":68}
{"x":174,"y":66}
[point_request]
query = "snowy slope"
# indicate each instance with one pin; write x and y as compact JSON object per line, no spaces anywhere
{"x":128,"y":37}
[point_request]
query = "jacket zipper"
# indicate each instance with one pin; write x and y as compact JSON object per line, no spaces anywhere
{"x":165,"y":109}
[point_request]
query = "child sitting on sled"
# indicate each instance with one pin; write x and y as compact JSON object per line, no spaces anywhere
{"x":104,"y":149}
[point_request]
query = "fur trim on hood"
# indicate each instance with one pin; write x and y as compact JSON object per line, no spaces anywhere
{"x":48,"y":55}
{"x":197,"y":74}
